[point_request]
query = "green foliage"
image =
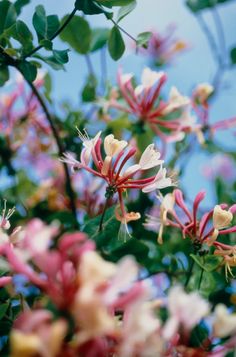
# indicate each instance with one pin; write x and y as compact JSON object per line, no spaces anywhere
{"x":8,"y":15}
{"x":125,"y":10}
{"x":233,"y":55}
{"x":19,"y":4}
{"x":116,"y":44}
{"x":90,"y":7}
{"x":198,"y":5}
{"x":143,"y":39}
{"x":4,"y":74}
{"x":28,"y":69}
{"x":99,"y":38}
{"x":89,"y":90}
{"x":77,"y":34}
{"x":209,"y":262}
{"x":45,"y":26}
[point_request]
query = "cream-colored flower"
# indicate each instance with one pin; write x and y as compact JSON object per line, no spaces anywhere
{"x":150,"y":158}
{"x":183,"y":311}
{"x":88,"y":144}
{"x":176,"y":101}
{"x":203,"y":91}
{"x":113,"y":146}
{"x":224,"y":322}
{"x":221,"y":218}
{"x":159,"y":182}
{"x":148,"y":79}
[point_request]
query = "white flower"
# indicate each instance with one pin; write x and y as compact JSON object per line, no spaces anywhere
{"x":186,"y":310}
{"x":150,"y":158}
{"x":125,"y":78}
{"x":148,"y":80}
{"x":176,"y":101}
{"x":88,"y":144}
{"x":221,"y":217}
{"x":113,"y":146}
{"x":159,"y":182}
{"x":224,"y":322}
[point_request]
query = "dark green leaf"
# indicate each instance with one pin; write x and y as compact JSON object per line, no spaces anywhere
{"x":29,"y":70}
{"x":89,"y":90}
{"x":125,"y":10}
{"x":8,"y":15}
{"x":23,"y":33}
{"x":233,"y":55}
{"x":99,"y":38}
{"x":77,"y":34}
{"x":110,"y":3}
{"x":143,"y":38}
{"x":4,"y":74}
{"x":45,"y":26}
{"x":61,"y":56}
{"x":3,"y":309}
{"x":116,"y":44}
{"x":198,"y":5}
{"x":19,"y":4}
{"x":90,"y":7}
{"x":52,"y":61}
{"x":47,"y":44}
{"x":209,"y":263}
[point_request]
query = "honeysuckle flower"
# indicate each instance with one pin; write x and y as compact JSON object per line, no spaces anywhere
{"x":224,"y":323}
{"x":202,"y":93}
{"x":176,"y":101}
{"x":220,"y":165}
{"x":183,"y":311}
{"x":35,"y":333}
{"x":204,"y":230}
{"x":115,"y":173}
{"x":144,"y":102}
{"x":162,"y":48}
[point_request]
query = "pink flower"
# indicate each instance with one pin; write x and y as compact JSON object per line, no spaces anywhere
{"x":113,"y":170}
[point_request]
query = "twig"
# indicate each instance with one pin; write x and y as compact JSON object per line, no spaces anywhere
{"x":60,"y":146}
{"x":61,"y":28}
{"x":124,"y":31}
{"x":103,"y":215}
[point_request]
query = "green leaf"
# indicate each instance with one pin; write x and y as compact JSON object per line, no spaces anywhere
{"x":19,"y":4}
{"x":8,"y":15}
{"x":47,"y":44}
{"x":209,"y":263}
{"x":99,"y":38}
{"x":77,"y":34}
{"x":45,"y":26}
{"x":233,"y":55}
{"x":61,"y":56}
{"x":3,"y":309}
{"x":89,"y":90}
{"x":116,"y":44}
{"x":110,"y":3}
{"x":143,"y":39}
{"x":90,"y":7}
{"x":28,"y":69}
{"x":52,"y":61}
{"x":125,"y":10}
{"x":198,"y":5}
{"x":23,"y":33}
{"x":4,"y":74}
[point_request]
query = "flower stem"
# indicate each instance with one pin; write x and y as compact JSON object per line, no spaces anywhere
{"x":190,"y":270}
{"x":103,"y":215}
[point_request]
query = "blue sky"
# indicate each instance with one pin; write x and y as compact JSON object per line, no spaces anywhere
{"x":195,"y":66}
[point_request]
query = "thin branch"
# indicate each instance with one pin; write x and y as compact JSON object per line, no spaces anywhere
{"x":124,"y":31}
{"x":60,"y":146}
{"x":61,"y":28}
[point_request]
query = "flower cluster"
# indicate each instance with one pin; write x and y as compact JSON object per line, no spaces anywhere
{"x":202,"y":231}
{"x":114,"y":171}
{"x":101,"y":308}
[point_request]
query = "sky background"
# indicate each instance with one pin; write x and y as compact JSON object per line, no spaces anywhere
{"x":194,"y":66}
